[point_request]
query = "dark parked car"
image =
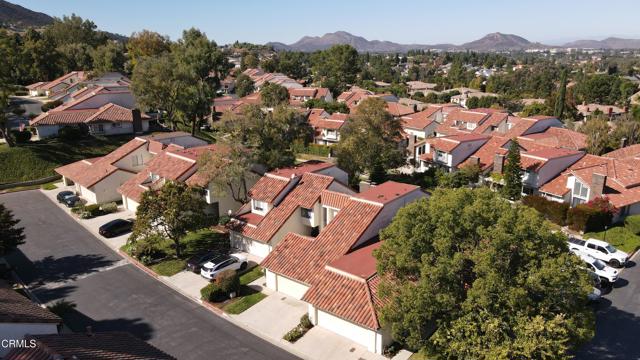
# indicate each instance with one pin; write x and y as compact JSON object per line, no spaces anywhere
{"x":69,"y":198}
{"x":194,"y":264}
{"x":115,"y":227}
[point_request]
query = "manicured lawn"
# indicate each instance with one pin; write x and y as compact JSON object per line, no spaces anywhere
{"x":251,"y":275}
{"x":193,"y":243}
{"x":169,"y":267}
{"x":243,"y":303}
{"x":38,"y":159}
{"x":618,"y":236}
{"x":47,"y":186}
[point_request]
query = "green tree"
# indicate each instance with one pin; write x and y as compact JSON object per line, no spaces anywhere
{"x":75,"y":56}
{"x":4,"y":108}
{"x":146,"y":44}
{"x":170,"y":213}
{"x":597,"y":131}
{"x":336,"y":68}
{"x":156,"y":87}
{"x":200,"y":66}
{"x":512,"y":188}
{"x":466,"y":275}
{"x":244,"y":85}
{"x":370,"y":139}
{"x":108,"y":58}
{"x":562,"y":94}
{"x":273,"y":95}
{"x":10,"y":234}
{"x":40,"y":57}
{"x":329,"y":106}
{"x":249,"y":61}
{"x":74,"y":30}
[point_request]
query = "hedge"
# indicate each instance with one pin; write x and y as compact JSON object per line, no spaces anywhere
{"x":228,"y":281}
{"x":21,"y":137}
{"x":588,"y":219}
{"x":632,"y":223}
{"x":212,"y":293}
{"x":553,"y":211}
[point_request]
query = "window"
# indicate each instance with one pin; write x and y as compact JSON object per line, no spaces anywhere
{"x":116,"y":125}
{"x":306,"y":213}
{"x":580,"y":190}
{"x":591,"y":246}
{"x":259,"y":205}
{"x":441,"y":156}
{"x":154,"y":177}
{"x":602,"y":250}
{"x":331,"y":134}
{"x":98,"y":128}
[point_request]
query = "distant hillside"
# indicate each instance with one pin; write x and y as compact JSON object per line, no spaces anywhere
{"x":314,"y":43}
{"x":608,"y":43}
{"x":499,"y":41}
{"x":17,"y":17}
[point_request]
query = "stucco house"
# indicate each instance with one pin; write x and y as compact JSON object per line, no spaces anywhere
{"x":448,"y":152}
{"x":103,"y":110}
{"x":326,"y":126}
{"x":333,"y":270}
{"x":97,"y":180}
{"x":614,"y":175}
{"x":282,"y":201}
{"x":65,"y":84}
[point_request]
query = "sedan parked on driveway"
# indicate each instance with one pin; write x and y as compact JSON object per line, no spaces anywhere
{"x":213,"y":267}
{"x":115,"y":227}
{"x":194,"y":264}
{"x":69,"y":198}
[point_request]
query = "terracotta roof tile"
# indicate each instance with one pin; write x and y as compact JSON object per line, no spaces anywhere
{"x":15,"y":308}
{"x":334,"y":199}
{"x":267,"y":189}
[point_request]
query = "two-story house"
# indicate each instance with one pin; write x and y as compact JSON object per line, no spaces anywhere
{"x":447,"y":152}
{"x":326,"y":126}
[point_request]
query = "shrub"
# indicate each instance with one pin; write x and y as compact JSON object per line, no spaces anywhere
{"x":224,"y":220}
{"x":212,"y":293}
{"x":148,"y":249}
{"x":109,"y":208}
{"x":50,"y":105}
{"x":61,"y":307}
{"x":305,"y":322}
{"x":228,"y":281}
{"x":586,"y":218}
{"x":297,"y":332}
{"x":19,"y":111}
{"x":70,"y":133}
{"x":632,"y":223}
{"x":21,"y":137}
{"x":552,"y":210}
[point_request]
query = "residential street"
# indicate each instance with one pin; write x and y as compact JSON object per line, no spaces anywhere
{"x":618,"y":320}
{"x":62,"y":260}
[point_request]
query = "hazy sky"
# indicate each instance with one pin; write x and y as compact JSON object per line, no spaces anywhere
{"x":405,"y":21}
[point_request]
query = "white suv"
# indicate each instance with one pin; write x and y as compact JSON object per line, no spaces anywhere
{"x":600,"y":250}
{"x":604,"y":271}
{"x":212,"y":268}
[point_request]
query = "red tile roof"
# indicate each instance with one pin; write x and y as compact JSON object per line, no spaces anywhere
{"x":397,"y":109}
{"x":629,"y":152}
{"x":268,"y":188}
{"x":359,"y":263}
{"x":559,"y":138}
{"x":81,"y":346}
{"x":297,"y":170}
{"x":80,"y":74}
{"x":88,"y":174}
{"x":15,"y":308}
{"x":422,"y":119}
{"x":305,"y":194}
{"x":386,"y":192}
{"x":334,"y":199}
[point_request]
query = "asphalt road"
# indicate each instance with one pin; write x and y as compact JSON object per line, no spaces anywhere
{"x":62,"y":260}
{"x":618,"y":320}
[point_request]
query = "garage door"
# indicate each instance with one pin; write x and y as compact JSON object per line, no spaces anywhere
{"x":355,"y":333}
{"x":291,"y":287}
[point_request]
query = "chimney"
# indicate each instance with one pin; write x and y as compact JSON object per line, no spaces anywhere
{"x":365,"y":185}
{"x":623,"y":142}
{"x":137,"y":121}
{"x":498,"y":163}
{"x":597,"y":185}
{"x":610,"y":111}
{"x":474,"y":160}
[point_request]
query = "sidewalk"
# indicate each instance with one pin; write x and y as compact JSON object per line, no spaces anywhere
{"x":269,"y":319}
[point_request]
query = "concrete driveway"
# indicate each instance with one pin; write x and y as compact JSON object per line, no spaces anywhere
{"x":274,"y":316}
{"x":63,"y":260}
{"x":333,"y":347}
{"x":618,"y":319}
{"x":92,"y":225}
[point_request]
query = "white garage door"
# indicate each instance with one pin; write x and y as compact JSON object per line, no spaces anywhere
{"x":355,"y":333}
{"x":291,"y":287}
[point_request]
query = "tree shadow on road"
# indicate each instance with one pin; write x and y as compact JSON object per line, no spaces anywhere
{"x":616,"y":335}
{"x":51,"y":270}
{"x":78,"y":322}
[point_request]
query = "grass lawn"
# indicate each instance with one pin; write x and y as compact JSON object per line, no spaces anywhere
{"x":38,"y":159}
{"x":242,"y":303}
{"x":251,"y":275}
{"x":47,"y":186}
{"x":618,"y":236}
{"x":169,"y":267}
{"x":193,"y":243}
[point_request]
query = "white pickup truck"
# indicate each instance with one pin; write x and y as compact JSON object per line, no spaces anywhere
{"x":599,"y":249}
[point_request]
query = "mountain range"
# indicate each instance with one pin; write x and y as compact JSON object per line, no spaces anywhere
{"x":490,"y":42}
{"x":17,"y":17}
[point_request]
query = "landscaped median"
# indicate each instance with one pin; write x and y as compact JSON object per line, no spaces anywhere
{"x":231,"y":292}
